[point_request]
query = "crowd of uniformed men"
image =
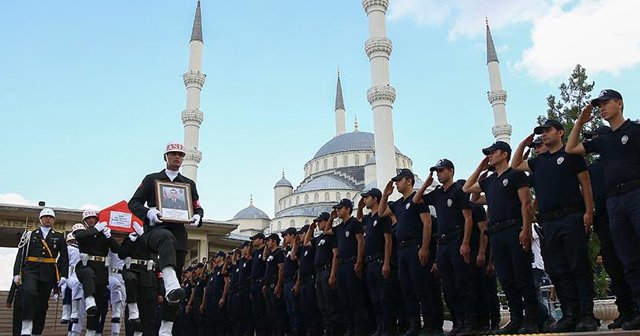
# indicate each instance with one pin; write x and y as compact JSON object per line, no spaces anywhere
{"x":382,"y":272}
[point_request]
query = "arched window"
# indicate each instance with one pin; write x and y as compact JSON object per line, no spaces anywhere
{"x":279,"y":225}
{"x":292,"y":223}
{"x":357,"y":159}
{"x":306,"y":222}
{"x":317,"y":166}
{"x":289,"y":201}
{"x":281,"y":205}
{"x":327,"y":197}
{"x":335,"y":161}
{"x":338,"y":196}
{"x":368,"y":157}
{"x":306,"y":198}
{"x":297,"y":200}
{"x":348,"y":195}
{"x":345,"y":160}
{"x":324,"y":164}
{"x":316,"y":197}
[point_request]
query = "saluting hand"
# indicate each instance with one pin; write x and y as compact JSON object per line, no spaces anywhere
{"x":528,"y":140}
{"x":361,"y":203}
{"x":484,"y":163}
{"x":585,"y":115}
{"x":429,"y":180}
{"x":388,"y":189}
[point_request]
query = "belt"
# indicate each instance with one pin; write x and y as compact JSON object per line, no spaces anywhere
{"x":305,"y":277}
{"x":115,"y":270}
{"x":141,"y":262}
{"x":42,"y":260}
{"x":560,"y":213}
{"x":501,"y":226}
{"x":97,"y":258}
{"x":374,"y":257}
{"x":346,"y":260}
{"x":410,"y":242}
{"x":323,"y":268}
{"x":623,"y":188}
{"x":449,"y":236}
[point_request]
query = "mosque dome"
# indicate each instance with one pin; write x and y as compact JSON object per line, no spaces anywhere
{"x":251,"y":212}
{"x":283,"y":183}
{"x":347,"y":142}
{"x":325,"y":182}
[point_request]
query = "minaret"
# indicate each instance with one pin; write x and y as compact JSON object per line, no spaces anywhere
{"x":340,"y":114}
{"x":192,"y":116}
{"x":381,"y":95}
{"x":497,"y":96}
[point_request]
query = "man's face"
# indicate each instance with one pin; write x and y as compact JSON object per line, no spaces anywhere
{"x":610,"y":108}
{"x":369,"y":202}
{"x":257,"y":242}
{"x":174,"y":194}
{"x":289,"y":239}
{"x":344,"y":212}
{"x":174,"y":160}
{"x":551,"y":136}
{"x":444,"y":175}
{"x":322,"y":225}
{"x":403,"y":185}
{"x":496,"y":157}
{"x":47,"y":221}
{"x":91,"y":221}
{"x":271,"y":244}
{"x":246,"y":251}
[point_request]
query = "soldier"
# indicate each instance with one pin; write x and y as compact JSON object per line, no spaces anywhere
{"x":414,"y":239}
{"x":508,"y":199}
{"x":305,"y":285}
{"x":258,"y":305}
{"x":454,"y":244}
{"x":377,"y":258}
{"x":565,"y":202}
{"x":38,"y":271}
{"x":350,"y":238}
{"x":92,"y":270}
{"x":139,"y":281}
{"x":326,"y":265}
{"x":290,"y":280}
{"x":168,"y":240}
{"x":612,"y":264}
{"x":619,"y":152}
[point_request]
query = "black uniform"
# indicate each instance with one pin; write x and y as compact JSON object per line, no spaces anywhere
{"x":216,"y":314}
{"x":311,"y":318}
{"x":94,"y":276}
{"x":36,"y":263}
{"x":258,"y":304}
{"x":327,"y":296}
{"x":292,"y":302}
{"x":275,"y":303}
{"x":140,"y":281}
{"x":14,"y":299}
{"x":199,"y":285}
{"x":242,"y":300}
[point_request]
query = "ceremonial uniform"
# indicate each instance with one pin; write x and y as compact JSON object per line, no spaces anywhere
{"x":39,"y":272}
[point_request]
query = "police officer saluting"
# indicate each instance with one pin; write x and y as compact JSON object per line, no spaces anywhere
{"x":37,"y":269}
{"x":378,"y":249}
{"x":94,"y":244}
{"x":620,"y":155}
{"x":414,"y":237}
{"x":311,"y":318}
{"x":454,"y":244}
{"x":565,"y":204}
{"x":169,"y":240}
{"x":508,"y":199}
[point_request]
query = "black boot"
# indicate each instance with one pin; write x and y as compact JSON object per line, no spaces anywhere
{"x":567,"y":323}
{"x":530,"y":322}
{"x":484,"y":326}
{"x":495,"y":324}
{"x":458,"y":324}
{"x":414,"y":327}
{"x":587,"y":321}
{"x":470,"y":326}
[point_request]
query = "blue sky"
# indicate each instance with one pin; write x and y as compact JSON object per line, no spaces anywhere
{"x":91,"y":90}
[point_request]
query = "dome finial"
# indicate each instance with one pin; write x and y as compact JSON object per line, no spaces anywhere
{"x":355,"y":123}
{"x":250,"y":199}
{"x":282,"y":172}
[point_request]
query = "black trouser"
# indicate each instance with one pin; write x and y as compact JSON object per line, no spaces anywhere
{"x":513,"y":266}
{"x":94,"y":279}
{"x":435,"y":320}
{"x":567,"y":247}
{"x":292,"y":304}
{"x":238,"y":304}
{"x":456,"y":280}
{"x":614,"y":267}
{"x":311,"y":318}
{"x":351,"y":295}
{"x":35,"y":298}
{"x":258,"y":307}
{"x":219,"y":316}
{"x":275,"y":310}
{"x":17,"y":311}
{"x":327,"y":301}
{"x":381,"y":293}
{"x":414,"y":281}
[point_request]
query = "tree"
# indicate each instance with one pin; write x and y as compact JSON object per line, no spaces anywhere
{"x":575,"y":94}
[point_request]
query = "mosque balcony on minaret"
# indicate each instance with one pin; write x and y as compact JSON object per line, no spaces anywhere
{"x":381,"y":95}
{"x":192,"y":117}
{"x":501,"y":132}
{"x":378,"y":47}
{"x":497,"y":96}
{"x":194,"y":79}
{"x":193,"y":155}
{"x":371,"y":5}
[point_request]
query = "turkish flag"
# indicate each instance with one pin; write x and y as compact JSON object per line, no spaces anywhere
{"x":119,"y":218}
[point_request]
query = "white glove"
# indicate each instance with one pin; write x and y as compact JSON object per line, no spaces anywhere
{"x":55,"y":297}
{"x":154,"y":216}
{"x":106,"y":232}
{"x":195,"y":220}
{"x":62,"y":282}
{"x":133,"y":236}
{"x":100,"y":226}
{"x":17,"y":279}
{"x":138,"y":229}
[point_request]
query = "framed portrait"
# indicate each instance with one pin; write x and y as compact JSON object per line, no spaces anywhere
{"x":174,"y":201}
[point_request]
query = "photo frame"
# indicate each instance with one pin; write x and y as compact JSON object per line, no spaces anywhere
{"x":173,"y":199}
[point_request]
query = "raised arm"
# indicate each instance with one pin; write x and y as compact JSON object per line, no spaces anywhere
{"x":573,"y":146}
{"x":417,"y":198}
{"x":518,"y":161}
{"x":383,"y":209}
{"x":472,"y":185}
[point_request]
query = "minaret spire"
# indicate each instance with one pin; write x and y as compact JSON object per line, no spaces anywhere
{"x":355,"y":123}
{"x":339,"y":109}
{"x":381,"y":95}
{"x":497,"y":96}
{"x":192,"y":117}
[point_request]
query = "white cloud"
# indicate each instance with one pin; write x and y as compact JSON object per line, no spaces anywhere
{"x":601,"y":35}
{"x":7,"y":257}
{"x":14,"y":198}
{"x":89,"y":206}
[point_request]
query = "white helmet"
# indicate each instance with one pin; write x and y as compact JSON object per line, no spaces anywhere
{"x":78,"y":226}
{"x":47,"y":212}
{"x":70,"y":236}
{"x":174,"y":146}
{"x":89,"y":213}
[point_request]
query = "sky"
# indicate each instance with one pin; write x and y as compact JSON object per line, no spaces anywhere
{"x":91,"y":91}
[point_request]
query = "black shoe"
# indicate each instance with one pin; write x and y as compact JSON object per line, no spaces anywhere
{"x":566,"y":324}
{"x":547,"y":324}
{"x":74,"y":320}
{"x":587,"y":323}
{"x":115,"y":320}
{"x":633,"y":324}
{"x":511,"y":328}
{"x":64,"y":321}
{"x":175,"y":295}
{"x":92,"y":311}
{"x":134,"y":321}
